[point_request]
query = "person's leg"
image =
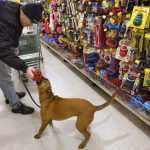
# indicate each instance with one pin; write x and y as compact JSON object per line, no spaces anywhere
{"x":7,"y":85}
{"x":8,"y":89}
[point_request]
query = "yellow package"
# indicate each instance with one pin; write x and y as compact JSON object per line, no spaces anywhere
{"x":147,"y":77}
{"x":17,"y":1}
{"x":140,"y":17}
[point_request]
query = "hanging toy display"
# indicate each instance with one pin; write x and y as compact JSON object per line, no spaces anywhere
{"x":112,"y":40}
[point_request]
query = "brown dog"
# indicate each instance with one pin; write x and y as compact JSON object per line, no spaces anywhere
{"x":57,"y":108}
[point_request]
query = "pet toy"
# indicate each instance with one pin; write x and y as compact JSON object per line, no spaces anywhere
{"x":136,"y":48}
{"x":117,"y":10}
{"x":37,"y":75}
{"x":138,"y":19}
{"x":109,"y":25}
{"x":59,"y":30}
{"x":112,"y":43}
{"x":116,"y":82}
{"x":136,"y":101}
{"x":123,"y":51}
{"x":55,"y":17}
{"x":147,"y":106}
{"x":101,"y":76}
{"x":100,"y":34}
{"x":147,"y":77}
{"x":92,"y":58}
{"x":113,"y":69}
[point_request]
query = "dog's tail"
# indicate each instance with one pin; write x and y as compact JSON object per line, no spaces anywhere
{"x":100,"y":107}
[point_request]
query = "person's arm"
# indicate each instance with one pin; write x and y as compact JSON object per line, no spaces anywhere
{"x":9,"y":57}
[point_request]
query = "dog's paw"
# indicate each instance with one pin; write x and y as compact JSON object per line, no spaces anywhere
{"x":37,"y":136}
{"x":81,"y":146}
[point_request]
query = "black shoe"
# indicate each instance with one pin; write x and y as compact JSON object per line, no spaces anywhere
{"x":20,"y":94}
{"x":23,"y":109}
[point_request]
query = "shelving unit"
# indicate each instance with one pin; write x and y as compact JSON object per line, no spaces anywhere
{"x":109,"y":88}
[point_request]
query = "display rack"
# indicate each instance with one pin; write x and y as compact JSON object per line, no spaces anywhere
{"x":122,"y":97}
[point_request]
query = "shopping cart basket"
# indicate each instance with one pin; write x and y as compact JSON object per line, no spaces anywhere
{"x":30,"y":47}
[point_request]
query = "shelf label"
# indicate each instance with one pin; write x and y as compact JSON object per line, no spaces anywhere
{"x":120,"y":101}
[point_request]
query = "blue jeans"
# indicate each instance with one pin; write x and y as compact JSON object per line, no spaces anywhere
{"x":7,"y":86}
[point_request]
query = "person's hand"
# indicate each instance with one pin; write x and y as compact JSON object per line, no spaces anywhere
{"x":30,"y":72}
{"x":16,"y":51}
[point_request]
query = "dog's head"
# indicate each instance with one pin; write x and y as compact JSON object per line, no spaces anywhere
{"x":44,"y":85}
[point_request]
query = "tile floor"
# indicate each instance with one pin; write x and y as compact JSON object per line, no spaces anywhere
{"x":114,"y":128}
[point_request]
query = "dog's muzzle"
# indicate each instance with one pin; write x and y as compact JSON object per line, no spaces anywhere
{"x":43,"y":80}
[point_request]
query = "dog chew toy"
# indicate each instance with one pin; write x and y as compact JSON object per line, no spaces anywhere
{"x":37,"y":75}
{"x":112,"y":43}
{"x":113,"y":69}
{"x":100,"y":34}
{"x":138,"y":19}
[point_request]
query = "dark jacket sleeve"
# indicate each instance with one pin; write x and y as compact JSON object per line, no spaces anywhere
{"x":8,"y":56}
{"x":10,"y":30}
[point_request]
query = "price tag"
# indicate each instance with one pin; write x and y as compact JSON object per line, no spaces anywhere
{"x":128,"y":15}
{"x":137,"y":61}
{"x":120,"y":101}
{"x":135,"y":29}
{"x":110,"y":13}
{"x":147,"y":35}
{"x":96,"y":18}
{"x":98,"y":50}
{"x":111,"y":50}
{"x":105,"y":50}
{"x":105,"y":29}
{"x":116,"y":3}
{"x":141,"y":117}
{"x":112,"y":20}
{"x":104,"y":16}
{"x":120,"y":13}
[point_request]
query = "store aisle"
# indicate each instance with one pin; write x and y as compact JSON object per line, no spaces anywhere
{"x":114,"y":128}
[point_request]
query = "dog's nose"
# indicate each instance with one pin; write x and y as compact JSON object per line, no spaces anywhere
{"x":38,"y":82}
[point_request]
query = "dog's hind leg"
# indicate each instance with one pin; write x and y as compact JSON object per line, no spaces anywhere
{"x":51,"y":122}
{"x":43,"y":126}
{"x":82,"y":124}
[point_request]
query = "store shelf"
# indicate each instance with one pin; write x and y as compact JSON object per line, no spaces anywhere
{"x":64,"y":55}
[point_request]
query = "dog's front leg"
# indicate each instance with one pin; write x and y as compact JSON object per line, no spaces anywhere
{"x":43,"y":126}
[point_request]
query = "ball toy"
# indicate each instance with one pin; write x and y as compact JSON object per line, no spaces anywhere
{"x":59,"y":30}
{"x":37,"y":75}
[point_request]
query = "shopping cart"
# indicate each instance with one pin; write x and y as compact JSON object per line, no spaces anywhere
{"x":30,"y":47}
